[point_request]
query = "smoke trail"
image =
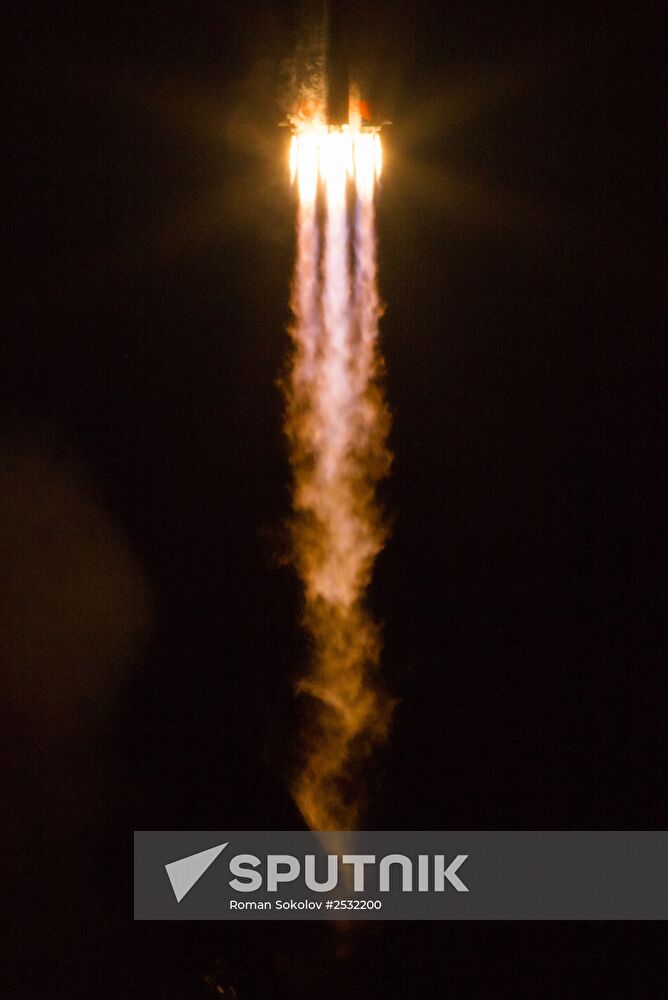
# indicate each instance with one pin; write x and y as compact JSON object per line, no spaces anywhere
{"x":337,"y":424}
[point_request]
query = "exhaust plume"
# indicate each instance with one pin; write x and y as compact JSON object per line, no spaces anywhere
{"x":337,"y":425}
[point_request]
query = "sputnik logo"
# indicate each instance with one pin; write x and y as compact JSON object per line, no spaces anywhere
{"x":282,"y":868}
{"x":186,"y":871}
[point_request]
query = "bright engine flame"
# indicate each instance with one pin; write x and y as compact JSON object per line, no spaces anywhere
{"x":330,"y":153}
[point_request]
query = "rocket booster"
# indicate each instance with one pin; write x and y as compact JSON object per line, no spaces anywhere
{"x":328,"y":95}
{"x":337,"y":65}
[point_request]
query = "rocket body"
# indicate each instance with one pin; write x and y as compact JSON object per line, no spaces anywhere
{"x":337,"y":65}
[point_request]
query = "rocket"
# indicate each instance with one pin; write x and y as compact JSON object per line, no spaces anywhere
{"x":337,"y":65}
{"x":344,"y":103}
{"x":336,"y":102}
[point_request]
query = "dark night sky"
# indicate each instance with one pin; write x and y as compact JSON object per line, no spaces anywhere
{"x":153,"y":635}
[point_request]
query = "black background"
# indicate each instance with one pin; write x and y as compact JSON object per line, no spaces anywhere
{"x":150,"y":243}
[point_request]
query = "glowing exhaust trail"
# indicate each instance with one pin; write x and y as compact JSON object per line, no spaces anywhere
{"x":337,"y":425}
